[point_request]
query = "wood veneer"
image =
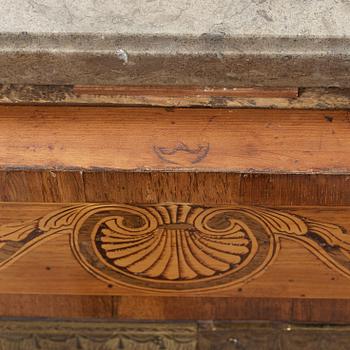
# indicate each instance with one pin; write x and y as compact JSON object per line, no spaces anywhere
{"x":48,"y":160}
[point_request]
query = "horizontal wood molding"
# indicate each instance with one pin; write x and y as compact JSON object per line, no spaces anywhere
{"x":142,"y":139}
{"x":184,"y":91}
{"x":217,"y":251}
{"x":308,"y":98}
{"x":190,"y":187}
{"x":158,"y":308}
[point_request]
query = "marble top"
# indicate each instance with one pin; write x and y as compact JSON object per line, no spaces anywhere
{"x":176,"y":42}
{"x":321,"y":18}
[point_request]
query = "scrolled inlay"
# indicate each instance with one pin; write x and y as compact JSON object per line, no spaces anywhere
{"x":176,"y":246}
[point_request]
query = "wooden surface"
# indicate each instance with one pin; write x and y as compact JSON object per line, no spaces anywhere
{"x":149,"y":139}
{"x":41,"y":144}
{"x":297,"y":263}
{"x":217,"y":188}
{"x":175,"y":308}
{"x":308,"y":98}
{"x":184,"y":91}
{"x":156,"y":187}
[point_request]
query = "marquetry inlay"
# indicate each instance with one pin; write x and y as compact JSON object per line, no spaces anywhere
{"x":176,"y":246}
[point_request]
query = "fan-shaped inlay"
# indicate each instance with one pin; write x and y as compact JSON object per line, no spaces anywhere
{"x":183,"y":246}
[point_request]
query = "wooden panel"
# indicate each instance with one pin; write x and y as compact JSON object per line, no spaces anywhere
{"x":157,"y":187}
{"x":210,"y":251}
{"x":321,"y":310}
{"x":55,"y":306}
{"x":175,"y":308}
{"x":51,"y":268}
{"x":294,"y":189}
{"x":309,"y":98}
{"x":41,"y":186}
{"x":237,"y":308}
{"x":193,"y":139}
{"x":289,"y":289}
{"x":201,"y":308}
{"x":189,"y":187}
{"x":192,"y":187}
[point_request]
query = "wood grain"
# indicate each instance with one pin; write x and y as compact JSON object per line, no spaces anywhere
{"x":127,"y":308}
{"x":321,"y":310}
{"x":41,"y":186}
{"x":237,"y":308}
{"x":48,"y":158}
{"x":50,"y":267}
{"x":294,"y":189}
{"x":125,"y":139}
{"x":189,"y":187}
{"x":157,"y":187}
{"x":55,"y":306}
{"x":292,"y":289}
{"x":309,"y":98}
{"x":201,"y":308}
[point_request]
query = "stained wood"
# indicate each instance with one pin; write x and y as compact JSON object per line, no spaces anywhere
{"x":184,"y":91}
{"x":292,"y":288}
{"x":41,"y":186}
{"x":201,"y":308}
{"x":189,"y":187}
{"x":55,"y":306}
{"x":52,"y":267}
{"x":157,"y":187}
{"x":149,"y":139}
{"x":308,"y":98}
{"x":294,"y":189}
{"x":175,"y":308}
{"x":321,"y":310}
{"x":238,"y":308}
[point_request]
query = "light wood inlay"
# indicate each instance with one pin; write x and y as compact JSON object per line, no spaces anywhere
{"x":55,"y":276}
{"x":178,"y":248}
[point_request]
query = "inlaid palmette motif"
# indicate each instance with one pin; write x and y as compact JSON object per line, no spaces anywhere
{"x":174,"y":246}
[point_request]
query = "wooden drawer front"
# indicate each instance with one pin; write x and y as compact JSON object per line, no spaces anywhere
{"x":187,"y":207}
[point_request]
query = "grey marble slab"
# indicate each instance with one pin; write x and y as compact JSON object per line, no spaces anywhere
{"x":183,"y":42}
